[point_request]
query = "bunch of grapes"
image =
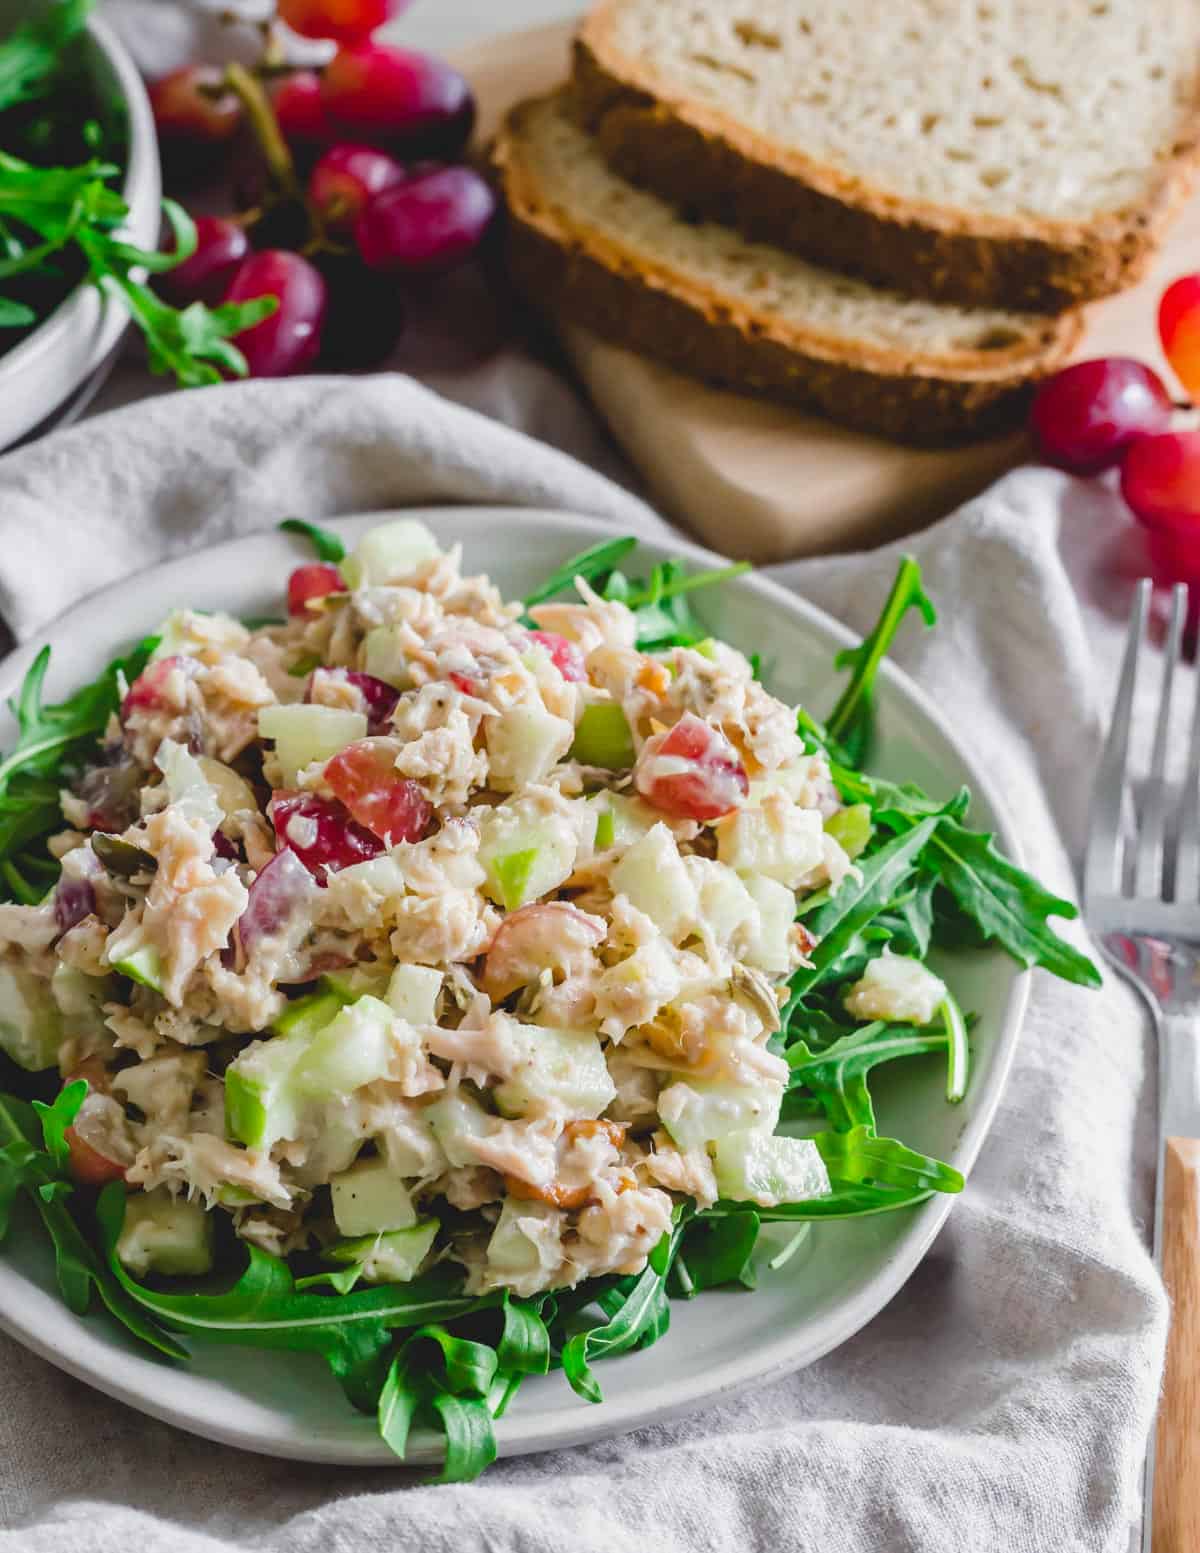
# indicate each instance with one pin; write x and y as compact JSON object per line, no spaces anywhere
{"x":1117,"y":412}
{"x":356,"y":185}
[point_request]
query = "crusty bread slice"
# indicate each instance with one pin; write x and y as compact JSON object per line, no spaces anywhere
{"x":1021,"y":153}
{"x":589,"y":248}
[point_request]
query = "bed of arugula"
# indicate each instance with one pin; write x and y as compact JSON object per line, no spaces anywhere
{"x":424,"y":1354}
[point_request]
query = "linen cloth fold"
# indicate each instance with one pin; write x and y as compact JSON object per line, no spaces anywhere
{"x":1003,"y":1398}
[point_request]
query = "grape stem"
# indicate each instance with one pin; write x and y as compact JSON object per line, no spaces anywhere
{"x":261,"y":117}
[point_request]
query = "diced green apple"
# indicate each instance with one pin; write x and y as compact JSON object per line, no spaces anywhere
{"x":753,"y":1166}
{"x":620,"y":820}
{"x":413,"y":993}
{"x":653,"y":878}
{"x":524,"y":852}
{"x":31,"y":1025}
{"x":184,"y":633}
{"x":130,"y":955}
{"x":369,"y":1199}
{"x":389,"y":553}
{"x":456,"y":1121}
{"x":512,"y":1253}
{"x":356,"y":981}
{"x":393,"y":1257}
{"x":699,"y":1112}
{"x":772,"y":947}
{"x":524,"y":743}
{"x":304,"y":734}
{"x":306,"y":1016}
{"x":384,"y":656}
{"x":851,"y":827}
{"x":560,"y":1070}
{"x":603,"y":737}
{"x":353,"y":1049}
{"x":166,"y":1235}
{"x":261,"y":1105}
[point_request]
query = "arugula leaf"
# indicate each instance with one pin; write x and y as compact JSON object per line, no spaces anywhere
{"x":851,"y":723}
{"x":837,"y":1075}
{"x":328,"y":546}
{"x":470,"y":1439}
{"x":860,"y":1157}
{"x":15,"y":315}
{"x":56,"y":1118}
{"x":595,"y":561}
{"x":524,"y":1345}
{"x":847,"y":1200}
{"x":29,"y":56}
{"x":715,"y":1252}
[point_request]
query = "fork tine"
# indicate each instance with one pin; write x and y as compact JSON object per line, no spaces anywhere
{"x":1102,"y":864}
{"x":1187,"y":866}
{"x":1148,"y":873}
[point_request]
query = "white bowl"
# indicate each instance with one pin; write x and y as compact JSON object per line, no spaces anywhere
{"x":80,"y":339}
{"x":286,"y":1404}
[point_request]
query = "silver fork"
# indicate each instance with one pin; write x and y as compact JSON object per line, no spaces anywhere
{"x":1141,"y":887}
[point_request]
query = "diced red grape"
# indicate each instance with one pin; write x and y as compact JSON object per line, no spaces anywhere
{"x":321,"y":832}
{"x":96,"y":1152}
{"x":412,"y":102}
{"x":427,"y":226}
{"x":566,"y":656}
{"x":1084,"y":417}
{"x":379,"y":698}
{"x":346,"y":21}
{"x":315,"y":581}
{"x":363,"y":776}
{"x":278,"y":895}
{"x":74,"y":899}
{"x":691,"y":771}
{"x":196,"y":120}
{"x":1179,"y":330}
{"x":300,"y":109}
{"x":149,"y":691}
{"x":221,"y":245}
{"x":224,"y":848}
{"x":1160,"y":480}
{"x":287,"y":341}
{"x":347,"y":178}
{"x":112,"y":790}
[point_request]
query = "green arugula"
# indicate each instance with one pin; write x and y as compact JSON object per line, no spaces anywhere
{"x":597,"y":561}
{"x":30,"y":55}
{"x":328,"y":546}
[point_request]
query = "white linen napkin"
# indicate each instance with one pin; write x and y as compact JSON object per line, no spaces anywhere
{"x":1002,"y":1400}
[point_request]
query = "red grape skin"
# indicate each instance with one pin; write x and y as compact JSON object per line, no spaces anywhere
{"x":346,"y":21}
{"x":221,"y":245}
{"x":326,"y":837}
{"x":314,"y":581}
{"x":300,"y":110}
{"x":1160,"y":480}
{"x":413,"y":102}
{"x":183,"y":112}
{"x":713,"y":783}
{"x":428,"y":226}
{"x":347,"y":178}
{"x":287,"y":341}
{"x":391,"y":807}
{"x":1084,"y":417}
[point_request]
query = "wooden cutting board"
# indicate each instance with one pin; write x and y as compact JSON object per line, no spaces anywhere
{"x":765,"y":481}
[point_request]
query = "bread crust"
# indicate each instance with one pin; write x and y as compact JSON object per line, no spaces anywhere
{"x":702,"y":160}
{"x":573,"y":274}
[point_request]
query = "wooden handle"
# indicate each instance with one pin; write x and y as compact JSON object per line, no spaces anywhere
{"x":1176,"y":1523}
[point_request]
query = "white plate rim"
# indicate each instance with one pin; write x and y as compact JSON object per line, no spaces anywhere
{"x":517,"y":1435}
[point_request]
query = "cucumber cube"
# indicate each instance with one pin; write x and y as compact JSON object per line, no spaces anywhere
{"x":603,"y":737}
{"x":561,"y":1071}
{"x":368,"y":1199}
{"x":413,"y":993}
{"x":752,"y":1166}
{"x":304,"y":734}
{"x":394,"y":1257}
{"x":524,"y":743}
{"x":388,"y":553}
{"x":653,"y":877}
{"x":31,"y":1026}
{"x":166,"y":1235}
{"x":699,"y":1112}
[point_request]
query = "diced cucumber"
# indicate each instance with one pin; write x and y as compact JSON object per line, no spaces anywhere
{"x":388,"y":553}
{"x":31,"y":1025}
{"x":384,"y":656}
{"x":304,"y":734}
{"x":166,"y":1235}
{"x":784,"y":842}
{"x":456,"y":1120}
{"x":394,"y":1257}
{"x":185,"y":633}
{"x":561,"y":1071}
{"x":369,"y":1199}
{"x":851,"y":827}
{"x":413,"y":993}
{"x":699,"y":1112}
{"x":653,"y":877}
{"x":512,"y":1251}
{"x":753,"y":1166}
{"x":603,"y":737}
{"x":353,"y":1049}
{"x":771,"y":950}
{"x":524,"y":743}
{"x":525,"y":852}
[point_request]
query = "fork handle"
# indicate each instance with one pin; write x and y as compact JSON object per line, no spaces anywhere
{"x":1176,"y":1519}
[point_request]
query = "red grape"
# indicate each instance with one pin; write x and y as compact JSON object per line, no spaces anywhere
{"x":320,"y":832}
{"x":365,"y":317}
{"x":1084,"y":417}
{"x":1179,"y":330}
{"x":427,"y":226}
{"x":148,"y":691}
{"x":1160,"y":480}
{"x":221,"y":245}
{"x":74,"y":899}
{"x":567,"y":657}
{"x":411,"y":101}
{"x":713,"y":780}
{"x":378,"y":697}
{"x":364,"y":777}
{"x":315,"y":581}
{"x":278,"y":895}
{"x":347,"y":21}
{"x":347,"y":178}
{"x":287,"y":341}
{"x":195,"y":120}
{"x":300,"y":109}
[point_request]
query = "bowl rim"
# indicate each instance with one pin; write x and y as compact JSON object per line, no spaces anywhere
{"x":518,"y":1434}
{"x":142,"y":160}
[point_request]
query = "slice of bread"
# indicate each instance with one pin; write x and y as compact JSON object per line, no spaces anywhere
{"x":588,"y":248}
{"x":1020,"y":153}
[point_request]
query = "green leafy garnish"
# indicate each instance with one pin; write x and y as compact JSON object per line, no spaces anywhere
{"x":30,"y":55}
{"x":596,"y":561}
{"x":328,"y":547}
